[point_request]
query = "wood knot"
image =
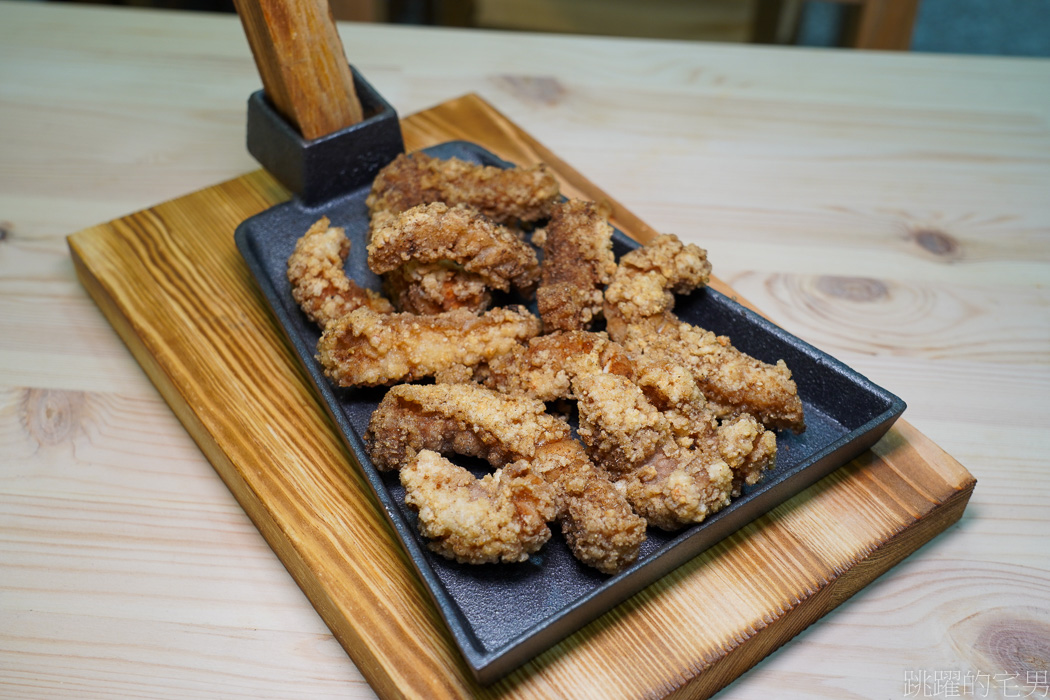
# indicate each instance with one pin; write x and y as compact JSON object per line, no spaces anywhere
{"x":856,"y":289}
{"x":936,"y":243}
{"x":539,"y":89}
{"x":1019,"y":647}
{"x":52,"y":417}
{"x":1012,"y":641}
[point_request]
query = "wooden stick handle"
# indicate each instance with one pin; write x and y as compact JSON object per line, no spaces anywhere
{"x":301,"y":61}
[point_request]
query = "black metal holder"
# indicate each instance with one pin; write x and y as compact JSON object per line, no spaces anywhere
{"x":322,"y":169}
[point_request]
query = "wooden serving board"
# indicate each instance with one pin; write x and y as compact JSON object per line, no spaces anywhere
{"x":173,"y":285}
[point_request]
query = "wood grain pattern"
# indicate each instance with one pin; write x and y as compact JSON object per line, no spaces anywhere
{"x":172,"y":284}
{"x":302,"y":63}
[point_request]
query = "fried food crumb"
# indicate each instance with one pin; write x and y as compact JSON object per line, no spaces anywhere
{"x":432,"y":288}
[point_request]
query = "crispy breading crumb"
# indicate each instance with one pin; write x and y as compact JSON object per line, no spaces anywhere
{"x":433,"y":288}
{"x":503,"y":195}
{"x":436,"y":232}
{"x":501,"y":517}
{"x":319,"y":283}
{"x":599,"y":525}
{"x":365,"y":348}
{"x":638,"y":304}
{"x":578,"y":262}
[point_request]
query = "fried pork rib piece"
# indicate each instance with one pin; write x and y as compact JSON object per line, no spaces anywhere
{"x":505,"y":196}
{"x":433,"y":288}
{"x":645,"y":281}
{"x":449,"y":251}
{"x":501,"y":517}
{"x":545,"y":367}
{"x":647,"y":426}
{"x":733,"y":382}
{"x":365,"y":348}
{"x":667,"y":485}
{"x":638,"y":305}
{"x":319,"y":283}
{"x":599,"y":526}
{"x":578,"y":262}
{"x":462,"y":419}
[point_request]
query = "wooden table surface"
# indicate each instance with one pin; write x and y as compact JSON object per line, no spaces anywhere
{"x":892,"y":209}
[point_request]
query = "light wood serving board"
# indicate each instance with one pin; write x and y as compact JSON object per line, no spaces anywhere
{"x":173,"y":285}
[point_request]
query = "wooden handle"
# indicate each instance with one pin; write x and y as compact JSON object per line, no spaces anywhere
{"x":302,"y":63}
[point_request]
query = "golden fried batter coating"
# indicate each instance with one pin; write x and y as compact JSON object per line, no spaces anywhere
{"x":647,"y":425}
{"x":638,"y":305}
{"x":741,"y":441}
{"x":601,"y":529}
{"x":672,"y":418}
{"x":732,"y":381}
{"x":319,"y":283}
{"x":578,"y":262}
{"x":747,"y":448}
{"x":544,"y":369}
{"x":458,"y":419}
{"x":668,"y":485}
{"x":499,"y":518}
{"x":524,"y":194}
{"x":433,"y":288}
{"x":549,"y":367}
{"x":677,"y":487}
{"x":647,"y":278}
{"x":620,"y":427}
{"x":431,"y":233}
{"x":365,"y":348}
{"x":599,"y":525}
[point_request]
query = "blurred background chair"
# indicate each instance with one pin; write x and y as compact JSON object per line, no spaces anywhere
{"x":868,"y":24}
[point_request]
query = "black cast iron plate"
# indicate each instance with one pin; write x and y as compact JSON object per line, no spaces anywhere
{"x":502,"y":615}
